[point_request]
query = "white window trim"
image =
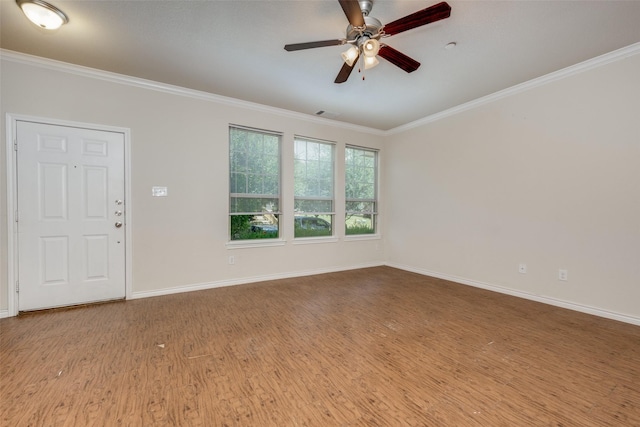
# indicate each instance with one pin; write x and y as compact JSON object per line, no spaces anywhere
{"x":357,"y":237}
{"x":315,"y":240}
{"x":255,"y":243}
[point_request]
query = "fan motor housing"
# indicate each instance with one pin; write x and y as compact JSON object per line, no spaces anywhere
{"x":366,"y":6}
{"x":371,"y":30}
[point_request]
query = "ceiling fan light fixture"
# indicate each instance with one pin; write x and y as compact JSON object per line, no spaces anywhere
{"x":350,"y":55}
{"x":370,"y":47}
{"x":370,"y":62}
{"x":364,"y":33}
{"x":43,"y":14}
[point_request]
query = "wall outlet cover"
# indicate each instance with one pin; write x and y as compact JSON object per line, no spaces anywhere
{"x":563,"y":274}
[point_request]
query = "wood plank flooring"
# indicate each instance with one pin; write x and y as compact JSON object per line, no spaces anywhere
{"x":370,"y":347}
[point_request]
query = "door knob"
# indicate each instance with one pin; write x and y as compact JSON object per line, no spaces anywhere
{"x":118,"y":224}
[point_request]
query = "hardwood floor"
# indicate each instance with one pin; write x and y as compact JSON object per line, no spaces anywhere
{"x":372,"y":347}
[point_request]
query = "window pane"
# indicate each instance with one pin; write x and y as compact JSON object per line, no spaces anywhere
{"x":326,"y":153}
{"x":360,"y":224}
{"x":251,"y":205}
{"x":313,"y":226}
{"x":272,"y":146}
{"x":324,"y":206}
{"x":254,"y":184}
{"x":244,"y":227}
{"x":238,"y":183}
{"x":360,"y":207}
{"x":272,"y":187}
{"x":270,"y":165}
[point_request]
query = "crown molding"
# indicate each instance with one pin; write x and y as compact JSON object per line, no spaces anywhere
{"x":581,"y":67}
{"x":79,"y":70}
{"x":51,"y":64}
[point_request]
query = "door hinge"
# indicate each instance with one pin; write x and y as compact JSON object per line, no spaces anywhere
{"x":15,"y":145}
{"x":17,"y":216}
{"x":17,"y":286}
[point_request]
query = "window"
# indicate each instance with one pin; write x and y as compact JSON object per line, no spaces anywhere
{"x":313,"y":182}
{"x":254,"y":183}
{"x":361,"y":176}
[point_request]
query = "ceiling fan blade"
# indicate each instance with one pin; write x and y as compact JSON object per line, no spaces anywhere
{"x":422,"y":17}
{"x":311,"y":45}
{"x":354,"y":13}
{"x":345,"y":72}
{"x":398,"y":58}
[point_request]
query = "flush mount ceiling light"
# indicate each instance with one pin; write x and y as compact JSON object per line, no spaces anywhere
{"x":43,"y":14}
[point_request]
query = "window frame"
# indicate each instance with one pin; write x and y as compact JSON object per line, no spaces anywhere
{"x":234,"y":197}
{"x":331,"y":198}
{"x":375,"y":201}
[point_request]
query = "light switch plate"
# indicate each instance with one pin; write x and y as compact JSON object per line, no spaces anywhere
{"x":159,"y":191}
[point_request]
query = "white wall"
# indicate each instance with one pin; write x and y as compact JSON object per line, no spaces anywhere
{"x":180,"y":142}
{"x":549,"y":176}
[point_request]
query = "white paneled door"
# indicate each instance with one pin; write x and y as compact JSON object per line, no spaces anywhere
{"x":71,"y":215}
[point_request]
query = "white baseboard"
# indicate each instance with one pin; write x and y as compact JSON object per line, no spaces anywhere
{"x":244,"y":280}
{"x":526,"y":295}
{"x":464,"y":281}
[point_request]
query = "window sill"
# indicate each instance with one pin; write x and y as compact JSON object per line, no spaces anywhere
{"x":314,"y":240}
{"x":359,"y":237}
{"x":257,"y":243}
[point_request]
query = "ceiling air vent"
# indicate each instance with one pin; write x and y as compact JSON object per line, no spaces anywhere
{"x":327,"y":114}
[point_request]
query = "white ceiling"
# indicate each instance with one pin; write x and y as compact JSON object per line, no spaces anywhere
{"x":235,"y":49}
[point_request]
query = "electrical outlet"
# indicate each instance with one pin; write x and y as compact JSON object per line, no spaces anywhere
{"x":563,"y":275}
{"x":232,"y":260}
{"x":522,"y":268}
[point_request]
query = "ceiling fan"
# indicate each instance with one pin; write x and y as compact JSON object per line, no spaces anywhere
{"x":364,"y":33}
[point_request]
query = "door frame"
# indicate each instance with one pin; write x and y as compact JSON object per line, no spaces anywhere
{"x":12,"y":199}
